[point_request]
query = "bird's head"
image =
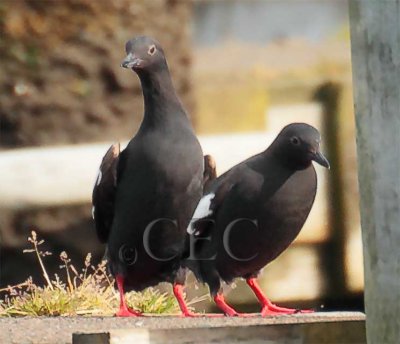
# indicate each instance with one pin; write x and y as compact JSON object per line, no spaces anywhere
{"x":143,"y":53}
{"x":299,"y":144}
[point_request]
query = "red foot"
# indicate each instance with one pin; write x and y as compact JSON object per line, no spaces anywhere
{"x":127,"y":312}
{"x":178,"y":292}
{"x":268,"y":311}
{"x":190,"y":314}
{"x":124,"y":311}
{"x":246,"y":315}
{"x":223,"y":306}
{"x":268,"y":308}
{"x":228,"y":310}
{"x":186,"y":313}
{"x":272,"y":309}
{"x":212,"y":315}
{"x":201,"y":315}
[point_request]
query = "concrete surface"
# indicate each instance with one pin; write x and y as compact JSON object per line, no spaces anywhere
{"x":332,"y":327}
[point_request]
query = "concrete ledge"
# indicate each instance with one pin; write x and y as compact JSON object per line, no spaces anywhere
{"x":311,"y":328}
{"x":328,"y":327}
{"x":333,"y":332}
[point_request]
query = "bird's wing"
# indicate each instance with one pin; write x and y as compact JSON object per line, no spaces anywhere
{"x":210,"y":172}
{"x":104,"y":192}
{"x":209,"y":204}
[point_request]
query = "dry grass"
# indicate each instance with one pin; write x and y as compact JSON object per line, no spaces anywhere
{"x":86,"y":292}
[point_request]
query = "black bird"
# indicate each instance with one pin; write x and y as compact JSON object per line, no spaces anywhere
{"x":253,"y":212}
{"x":144,"y":197}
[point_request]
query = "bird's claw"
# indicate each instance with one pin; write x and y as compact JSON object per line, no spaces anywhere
{"x":276,"y":310}
{"x":127,"y":312}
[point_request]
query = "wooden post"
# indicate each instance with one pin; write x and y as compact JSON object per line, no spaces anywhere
{"x":333,"y":251}
{"x":375,"y":36}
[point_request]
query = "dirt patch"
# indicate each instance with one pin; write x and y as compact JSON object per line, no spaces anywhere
{"x":61,"y":80}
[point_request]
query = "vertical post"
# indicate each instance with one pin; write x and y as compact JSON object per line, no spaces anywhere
{"x":333,"y":251}
{"x":375,"y":36}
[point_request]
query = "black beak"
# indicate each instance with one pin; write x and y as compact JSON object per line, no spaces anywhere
{"x":319,"y":158}
{"x":131,"y":61}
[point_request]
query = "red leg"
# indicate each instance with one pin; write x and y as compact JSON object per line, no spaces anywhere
{"x":222,"y":305}
{"x":268,"y":308}
{"x":228,"y":310}
{"x":124,"y":311}
{"x":178,"y":292}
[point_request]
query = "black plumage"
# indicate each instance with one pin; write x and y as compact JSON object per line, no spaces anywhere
{"x":254,"y":211}
{"x":104,"y":193}
{"x":145,"y":196}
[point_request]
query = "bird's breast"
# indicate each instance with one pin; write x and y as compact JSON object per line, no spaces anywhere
{"x":282,"y":216}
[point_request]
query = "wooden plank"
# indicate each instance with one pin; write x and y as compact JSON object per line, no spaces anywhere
{"x":375,"y":35}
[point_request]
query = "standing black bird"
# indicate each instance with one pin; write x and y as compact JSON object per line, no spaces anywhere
{"x":144,"y":197}
{"x":253,"y":212}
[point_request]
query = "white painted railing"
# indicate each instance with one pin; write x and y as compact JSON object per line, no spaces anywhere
{"x":64,"y":175}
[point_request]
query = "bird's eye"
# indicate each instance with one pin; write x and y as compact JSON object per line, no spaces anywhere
{"x":295,"y":140}
{"x":152,"y":50}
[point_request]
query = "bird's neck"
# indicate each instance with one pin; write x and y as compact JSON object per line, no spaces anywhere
{"x":161,"y":103}
{"x":289,"y":160}
{"x":264,"y":162}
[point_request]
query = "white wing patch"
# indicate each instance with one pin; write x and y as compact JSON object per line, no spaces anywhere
{"x":99,"y":176}
{"x":203,"y":210}
{"x":93,"y":211}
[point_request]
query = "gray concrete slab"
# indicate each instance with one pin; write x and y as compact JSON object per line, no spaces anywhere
{"x":46,"y":330}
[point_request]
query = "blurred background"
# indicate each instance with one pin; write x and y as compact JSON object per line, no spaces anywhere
{"x":243,"y":69}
